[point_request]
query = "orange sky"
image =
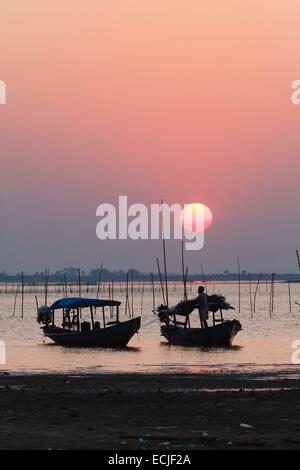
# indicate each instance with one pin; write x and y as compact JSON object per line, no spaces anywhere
{"x":189,"y":101}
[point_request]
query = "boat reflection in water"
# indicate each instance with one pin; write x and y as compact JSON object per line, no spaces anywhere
{"x":77,"y":333}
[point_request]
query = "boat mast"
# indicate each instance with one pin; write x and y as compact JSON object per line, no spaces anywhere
{"x":161,"y":281}
{"x":165,"y":257}
{"x":184,"y":279}
{"x":166,"y":275}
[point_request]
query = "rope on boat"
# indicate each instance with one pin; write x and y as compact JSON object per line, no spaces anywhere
{"x":150,"y":323}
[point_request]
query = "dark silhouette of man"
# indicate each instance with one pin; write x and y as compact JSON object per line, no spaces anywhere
{"x":203,"y":306}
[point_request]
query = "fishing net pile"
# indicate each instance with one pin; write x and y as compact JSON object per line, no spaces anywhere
{"x":218,"y":302}
{"x":215,"y":302}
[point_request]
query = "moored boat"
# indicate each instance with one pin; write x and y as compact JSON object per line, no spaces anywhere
{"x":95,"y":333}
{"x":176,"y":324}
{"x":214,"y":336}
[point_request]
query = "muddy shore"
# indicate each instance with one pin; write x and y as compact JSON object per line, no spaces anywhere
{"x":136,"y":411}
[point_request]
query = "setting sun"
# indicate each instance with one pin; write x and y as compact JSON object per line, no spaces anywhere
{"x":196,"y":217}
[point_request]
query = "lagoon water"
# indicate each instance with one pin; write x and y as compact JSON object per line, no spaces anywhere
{"x":264,"y":343}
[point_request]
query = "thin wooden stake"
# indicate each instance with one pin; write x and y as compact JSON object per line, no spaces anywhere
{"x":66,"y":285}
{"x":183,"y":272}
{"x":166,"y":274}
{"x":142,"y":299}
{"x":79,"y":282}
{"x":290,"y":299}
{"x":271,"y":305}
{"x":298,"y":258}
{"x":37,"y":304}
{"x":273,"y":290}
{"x":153,"y":293}
{"x":99,"y":280}
{"x":132,"y":309}
{"x":22,"y":294}
{"x":250,"y":294}
{"x":127,"y":304}
{"x":15,"y":299}
{"x":239,"y":278}
{"x":165,"y":258}
{"x":204,"y":279}
{"x":46,"y":285}
{"x":184,"y":280}
{"x":161,"y":281}
{"x":256,"y":290}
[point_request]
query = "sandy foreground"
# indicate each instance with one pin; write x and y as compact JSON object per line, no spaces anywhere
{"x":136,"y":411}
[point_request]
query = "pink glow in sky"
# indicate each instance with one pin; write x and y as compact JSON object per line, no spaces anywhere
{"x":185,"y":100}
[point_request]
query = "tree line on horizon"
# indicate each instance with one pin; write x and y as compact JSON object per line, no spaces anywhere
{"x":71,"y":274}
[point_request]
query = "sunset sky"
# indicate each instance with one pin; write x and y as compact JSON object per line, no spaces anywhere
{"x":185,"y":100}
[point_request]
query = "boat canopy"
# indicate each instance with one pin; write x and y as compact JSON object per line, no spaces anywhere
{"x":77,"y":302}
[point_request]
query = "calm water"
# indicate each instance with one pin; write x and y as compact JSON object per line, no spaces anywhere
{"x":264,"y":342}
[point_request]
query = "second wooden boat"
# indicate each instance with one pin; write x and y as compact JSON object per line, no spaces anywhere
{"x":214,"y":336}
{"x":99,"y":332}
{"x":177,"y":328}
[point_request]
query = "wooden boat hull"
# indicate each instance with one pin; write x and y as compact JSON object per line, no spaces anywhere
{"x":115,"y":336}
{"x":214,"y":336}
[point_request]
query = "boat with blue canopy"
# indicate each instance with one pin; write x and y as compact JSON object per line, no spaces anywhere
{"x":103,"y":330}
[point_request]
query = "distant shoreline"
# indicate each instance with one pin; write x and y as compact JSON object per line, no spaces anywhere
{"x":71,"y":276}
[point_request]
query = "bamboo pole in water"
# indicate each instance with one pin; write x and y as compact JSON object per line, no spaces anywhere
{"x":239,"y":280}
{"x":142,"y":299}
{"x":250,"y":296}
{"x":273,"y":290}
{"x":110,"y":298}
{"x":271,"y":305}
{"x":166,"y":274}
{"x":79,"y":282}
{"x":46,"y":285}
{"x":187,"y":321}
{"x":183,"y":272}
{"x":290,"y":299}
{"x":256,"y":290}
{"x":66,"y":285}
{"x":161,"y":281}
{"x":165,"y":257}
{"x":127,"y":304}
{"x":22,"y":294}
{"x":132,"y":296}
{"x":298,"y":258}
{"x":15,"y":299}
{"x":270,"y":300}
{"x":184,"y":280}
{"x":204,"y":279}
{"x":37,"y":304}
{"x":153,"y":292}
{"x":99,"y":280}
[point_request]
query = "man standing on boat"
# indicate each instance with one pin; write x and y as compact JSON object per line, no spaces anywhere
{"x":203,"y":306}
